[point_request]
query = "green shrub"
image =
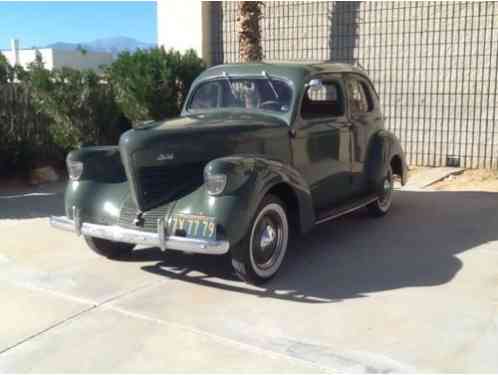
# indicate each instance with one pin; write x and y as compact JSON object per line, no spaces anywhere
{"x":152,"y":84}
{"x":82,"y":108}
{"x":4,"y":69}
{"x":44,"y":114}
{"x":24,"y":132}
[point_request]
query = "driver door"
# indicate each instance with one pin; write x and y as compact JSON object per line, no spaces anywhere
{"x":322,"y":143}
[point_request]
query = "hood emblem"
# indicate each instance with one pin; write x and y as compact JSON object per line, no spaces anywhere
{"x":139,"y":220}
{"x":162,"y":157}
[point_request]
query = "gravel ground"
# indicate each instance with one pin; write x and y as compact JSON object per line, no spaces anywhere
{"x":470,"y":180}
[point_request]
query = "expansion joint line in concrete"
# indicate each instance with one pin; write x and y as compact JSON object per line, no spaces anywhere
{"x":93,"y":306}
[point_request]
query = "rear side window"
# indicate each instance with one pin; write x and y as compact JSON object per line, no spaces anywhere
{"x":361,"y":99}
{"x":357,"y":99}
{"x":367,"y":89}
{"x":323,"y":101}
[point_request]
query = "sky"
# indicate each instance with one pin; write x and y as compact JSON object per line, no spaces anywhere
{"x":43,"y":22}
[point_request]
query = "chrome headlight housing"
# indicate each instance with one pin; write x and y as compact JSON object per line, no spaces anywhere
{"x":74,"y":169}
{"x":215,"y":183}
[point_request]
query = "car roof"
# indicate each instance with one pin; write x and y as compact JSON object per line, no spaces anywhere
{"x":294,"y":71}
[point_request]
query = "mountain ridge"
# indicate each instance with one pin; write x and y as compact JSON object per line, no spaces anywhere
{"x":114,"y":45}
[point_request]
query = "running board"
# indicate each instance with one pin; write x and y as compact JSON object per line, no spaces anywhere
{"x":333,"y":214}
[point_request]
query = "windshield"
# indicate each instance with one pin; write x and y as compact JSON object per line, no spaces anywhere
{"x":250,"y":93}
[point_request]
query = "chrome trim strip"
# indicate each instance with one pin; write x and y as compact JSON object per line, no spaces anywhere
{"x":160,"y":233}
{"x":77,"y":221}
{"x":120,"y":234}
{"x":335,"y":216}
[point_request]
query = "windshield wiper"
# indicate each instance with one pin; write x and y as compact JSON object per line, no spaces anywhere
{"x":270,"y":82}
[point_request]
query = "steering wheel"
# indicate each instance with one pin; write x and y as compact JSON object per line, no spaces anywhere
{"x":272,"y":104}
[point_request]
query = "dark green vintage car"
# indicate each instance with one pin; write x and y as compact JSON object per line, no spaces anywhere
{"x":259,"y":151}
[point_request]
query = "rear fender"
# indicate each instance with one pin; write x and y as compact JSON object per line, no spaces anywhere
{"x":383,"y":150}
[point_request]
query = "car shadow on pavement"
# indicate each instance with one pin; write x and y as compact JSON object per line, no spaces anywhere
{"x":415,"y":245}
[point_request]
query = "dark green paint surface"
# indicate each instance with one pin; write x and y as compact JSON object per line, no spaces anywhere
{"x":322,"y":162}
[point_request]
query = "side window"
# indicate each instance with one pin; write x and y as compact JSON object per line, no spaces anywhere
{"x":357,"y":98}
{"x":323,"y":101}
{"x":369,"y":95}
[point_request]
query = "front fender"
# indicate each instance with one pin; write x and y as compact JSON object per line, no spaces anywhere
{"x":102,"y":187}
{"x":249,"y":179}
{"x":383,"y":149}
{"x":98,"y":202}
{"x":101,"y":164}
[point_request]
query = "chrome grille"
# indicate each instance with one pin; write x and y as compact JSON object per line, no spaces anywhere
{"x":161,"y":184}
{"x":129,"y":212}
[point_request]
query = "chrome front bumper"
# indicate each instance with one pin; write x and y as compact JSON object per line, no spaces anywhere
{"x":159,"y":239}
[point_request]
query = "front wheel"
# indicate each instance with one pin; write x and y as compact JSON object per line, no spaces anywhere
{"x":381,"y":206}
{"x":264,"y":247}
{"x":109,"y":249}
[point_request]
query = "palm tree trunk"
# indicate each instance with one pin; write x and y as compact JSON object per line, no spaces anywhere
{"x":249,"y":31}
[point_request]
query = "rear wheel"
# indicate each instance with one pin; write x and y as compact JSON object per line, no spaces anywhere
{"x":265,"y":246}
{"x":383,"y":203}
{"x":109,"y":249}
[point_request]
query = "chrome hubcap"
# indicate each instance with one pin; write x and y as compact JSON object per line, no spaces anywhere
{"x":268,"y":242}
{"x":385,"y":200}
{"x":268,"y":236}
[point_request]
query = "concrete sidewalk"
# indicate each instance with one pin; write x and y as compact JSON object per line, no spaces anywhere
{"x":413,"y":291}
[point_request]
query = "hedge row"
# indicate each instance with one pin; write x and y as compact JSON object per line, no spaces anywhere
{"x":44,"y":114}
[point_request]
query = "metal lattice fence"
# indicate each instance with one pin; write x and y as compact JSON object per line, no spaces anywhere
{"x":434,"y":64}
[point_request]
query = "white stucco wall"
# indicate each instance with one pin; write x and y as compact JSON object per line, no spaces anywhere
{"x":179,"y":24}
{"x":55,"y":58}
{"x":27,"y":56}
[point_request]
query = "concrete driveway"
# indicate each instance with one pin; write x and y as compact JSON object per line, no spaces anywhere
{"x":414,"y":291}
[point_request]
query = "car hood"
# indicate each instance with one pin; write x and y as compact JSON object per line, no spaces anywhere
{"x":164,"y":159}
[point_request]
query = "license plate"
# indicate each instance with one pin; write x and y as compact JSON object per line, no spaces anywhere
{"x":193,"y":226}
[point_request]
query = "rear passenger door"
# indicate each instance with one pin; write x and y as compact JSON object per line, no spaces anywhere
{"x":366,"y":119}
{"x":321,"y":146}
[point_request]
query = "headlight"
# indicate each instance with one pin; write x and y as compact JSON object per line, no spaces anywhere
{"x":215,"y":183}
{"x":74,"y":169}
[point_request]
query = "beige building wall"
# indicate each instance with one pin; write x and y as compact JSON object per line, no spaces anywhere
{"x":434,"y":65}
{"x":179,"y":25}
